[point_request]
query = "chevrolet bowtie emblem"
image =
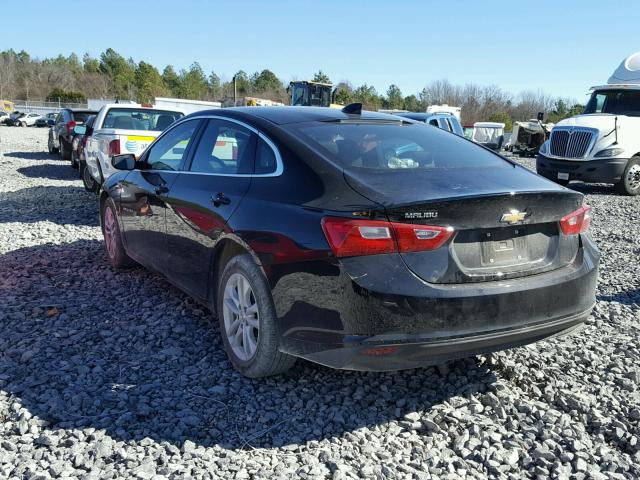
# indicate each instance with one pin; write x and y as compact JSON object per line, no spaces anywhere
{"x":513,"y":216}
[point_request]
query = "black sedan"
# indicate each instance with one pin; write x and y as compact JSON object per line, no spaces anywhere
{"x":353,"y":239}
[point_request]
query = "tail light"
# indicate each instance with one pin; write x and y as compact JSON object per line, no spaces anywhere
{"x":114,"y":147}
{"x":350,"y":238}
{"x":576,"y":222}
{"x":70,"y":126}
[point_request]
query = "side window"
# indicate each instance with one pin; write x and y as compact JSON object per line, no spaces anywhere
{"x":225,"y":148}
{"x":434,"y":122}
{"x":446,"y":124}
{"x":265,"y":159}
{"x":168,"y":152}
{"x":600,"y":103}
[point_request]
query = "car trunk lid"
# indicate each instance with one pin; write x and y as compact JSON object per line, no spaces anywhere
{"x":506,"y":225}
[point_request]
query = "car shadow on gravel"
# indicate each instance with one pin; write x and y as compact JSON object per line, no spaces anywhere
{"x":86,"y":346}
{"x":52,"y":171}
{"x":630,"y":297}
{"x":595,"y":189}
{"x":31,"y":155}
{"x":66,"y":205}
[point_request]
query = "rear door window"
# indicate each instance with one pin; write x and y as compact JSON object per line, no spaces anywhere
{"x":225,"y":148}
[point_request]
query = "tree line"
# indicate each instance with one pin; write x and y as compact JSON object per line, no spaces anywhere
{"x":73,"y":79}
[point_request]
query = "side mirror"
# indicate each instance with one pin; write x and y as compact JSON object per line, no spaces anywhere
{"x":540,"y":116}
{"x":124,"y":162}
{"x":80,"y":129}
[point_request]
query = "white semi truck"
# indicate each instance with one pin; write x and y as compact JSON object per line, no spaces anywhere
{"x":603,"y":144}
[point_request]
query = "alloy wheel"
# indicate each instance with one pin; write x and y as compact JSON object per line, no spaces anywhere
{"x":241,"y":318}
{"x":110,"y":232}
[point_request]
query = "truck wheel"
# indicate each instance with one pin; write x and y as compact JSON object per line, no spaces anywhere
{"x":248,"y":321}
{"x":630,"y":182}
{"x":564,"y":183}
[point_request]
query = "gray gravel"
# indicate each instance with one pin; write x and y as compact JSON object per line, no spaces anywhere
{"x":107,"y":374}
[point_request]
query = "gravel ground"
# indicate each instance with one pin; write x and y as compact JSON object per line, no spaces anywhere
{"x":107,"y":374}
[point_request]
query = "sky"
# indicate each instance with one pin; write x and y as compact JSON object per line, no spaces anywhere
{"x":561,"y":48}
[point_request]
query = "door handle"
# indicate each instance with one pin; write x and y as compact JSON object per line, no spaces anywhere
{"x":220,"y":199}
{"x":161,"y":189}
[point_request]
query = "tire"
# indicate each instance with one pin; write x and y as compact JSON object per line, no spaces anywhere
{"x":264,"y":359}
{"x":65,"y":151}
{"x":630,"y":182}
{"x":116,"y":254}
{"x":564,"y":183}
{"x":74,"y":159}
{"x":52,"y":149}
{"x":90,"y":185}
{"x":23,"y":124}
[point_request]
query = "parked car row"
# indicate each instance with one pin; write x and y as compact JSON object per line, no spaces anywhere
{"x":19,"y":119}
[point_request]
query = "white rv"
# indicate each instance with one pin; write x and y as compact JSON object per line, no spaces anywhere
{"x":603,"y":144}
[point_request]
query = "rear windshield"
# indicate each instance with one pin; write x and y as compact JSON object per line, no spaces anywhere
{"x":396,"y":147}
{"x":81,"y":117}
{"x":139,"y":119}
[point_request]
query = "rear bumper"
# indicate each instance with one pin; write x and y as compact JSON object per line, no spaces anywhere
{"x":606,"y":170}
{"x":344,"y":320}
{"x":383,"y":354}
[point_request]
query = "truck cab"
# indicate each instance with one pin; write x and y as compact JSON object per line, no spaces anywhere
{"x":602,"y":145}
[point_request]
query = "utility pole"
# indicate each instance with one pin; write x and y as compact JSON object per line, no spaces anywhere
{"x":235,"y":92}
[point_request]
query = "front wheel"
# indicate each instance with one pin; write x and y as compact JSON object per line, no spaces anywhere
{"x":23,"y":124}
{"x":629,"y":184}
{"x":248,"y":322}
{"x":116,"y":254}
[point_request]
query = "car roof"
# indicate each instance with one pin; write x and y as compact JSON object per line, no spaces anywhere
{"x":137,"y":106}
{"x":284,"y":115}
{"x":80,"y":110}
{"x":425,"y":116}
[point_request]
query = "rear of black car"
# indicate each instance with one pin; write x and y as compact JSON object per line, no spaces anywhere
{"x":461,"y":252}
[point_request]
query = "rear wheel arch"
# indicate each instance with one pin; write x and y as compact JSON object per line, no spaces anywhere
{"x":225,"y":250}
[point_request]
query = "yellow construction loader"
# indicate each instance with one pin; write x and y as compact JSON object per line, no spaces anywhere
{"x":312,"y":94}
